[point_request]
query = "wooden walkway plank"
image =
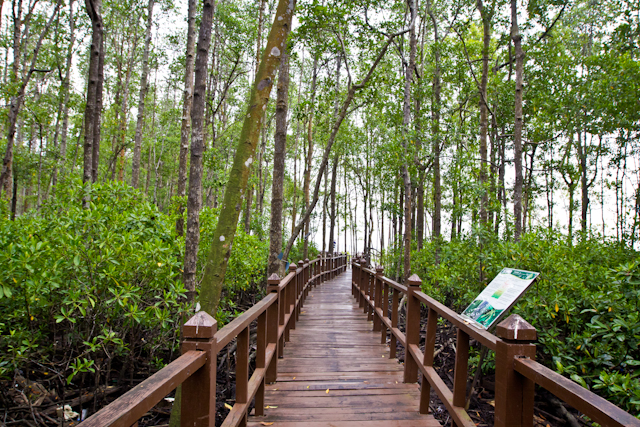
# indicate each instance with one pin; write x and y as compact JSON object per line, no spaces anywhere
{"x":336,"y":373}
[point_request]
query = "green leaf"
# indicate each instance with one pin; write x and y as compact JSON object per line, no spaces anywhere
{"x":76,"y":260}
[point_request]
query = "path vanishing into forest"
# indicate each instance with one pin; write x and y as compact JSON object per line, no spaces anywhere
{"x":335,"y":371}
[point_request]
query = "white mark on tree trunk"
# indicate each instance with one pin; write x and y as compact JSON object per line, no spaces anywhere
{"x":275,"y":51}
{"x":248,"y":162}
{"x":222,"y":238}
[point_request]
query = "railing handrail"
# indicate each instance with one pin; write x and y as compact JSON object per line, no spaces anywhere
{"x":516,"y":369}
{"x":196,"y":368}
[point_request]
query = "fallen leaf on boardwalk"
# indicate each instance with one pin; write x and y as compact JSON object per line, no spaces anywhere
{"x":229,"y":407}
{"x":383,"y":355}
{"x":270,"y":407}
{"x":327,"y":391}
{"x":307,"y":386}
{"x":492,"y":403}
{"x":266,"y":424}
{"x":294,"y":378}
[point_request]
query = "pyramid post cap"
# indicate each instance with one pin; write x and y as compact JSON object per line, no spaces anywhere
{"x":516,"y":328}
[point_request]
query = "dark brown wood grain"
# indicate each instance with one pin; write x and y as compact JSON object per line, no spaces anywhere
{"x":131,"y":406}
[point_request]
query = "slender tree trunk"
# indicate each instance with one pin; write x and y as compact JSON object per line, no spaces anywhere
{"x":409,"y":72}
{"x":517,"y":130}
{"x":97,"y":122}
{"x":437,"y":185}
{"x":332,"y":215}
{"x":194,"y":201}
{"x":137,"y":147}
{"x":309,"y":156}
{"x":484,"y":113}
{"x":279,"y":154}
{"x":60,"y":164}
{"x":186,"y":112}
{"x":16,"y":101}
{"x":92,"y":109}
{"x":217,"y":261}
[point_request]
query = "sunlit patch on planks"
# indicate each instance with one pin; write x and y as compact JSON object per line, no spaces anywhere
{"x":335,"y":372}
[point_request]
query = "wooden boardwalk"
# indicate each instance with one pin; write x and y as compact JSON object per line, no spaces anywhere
{"x":335,"y":372}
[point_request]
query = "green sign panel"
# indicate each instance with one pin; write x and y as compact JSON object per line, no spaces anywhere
{"x":499,"y":296}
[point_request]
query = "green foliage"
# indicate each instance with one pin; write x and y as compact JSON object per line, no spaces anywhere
{"x":584,"y":304}
{"x":82,"y":287}
{"x":96,"y":281}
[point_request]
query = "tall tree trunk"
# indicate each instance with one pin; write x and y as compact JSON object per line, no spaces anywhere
{"x":517,"y":130}
{"x":137,"y":147}
{"x":435,"y":130}
{"x":17,"y":99}
{"x":309,"y":156}
{"x":279,"y":154}
{"x":92,"y":108}
{"x":217,"y":261}
{"x":332,"y":215}
{"x":186,"y":112}
{"x":60,"y":164}
{"x":194,"y":201}
{"x":97,"y":122}
{"x":484,"y":108}
{"x":406,"y":119}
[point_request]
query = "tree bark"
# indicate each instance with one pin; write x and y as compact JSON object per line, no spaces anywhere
{"x":435,"y":130}
{"x":194,"y":201}
{"x":279,"y":153}
{"x":217,"y":261}
{"x":93,"y":86}
{"x":60,"y":165}
{"x":406,"y":120}
{"x":186,"y":112}
{"x":309,"y":156}
{"x":517,"y":130}
{"x":484,"y":108}
{"x":137,"y":147}
{"x":17,"y":100}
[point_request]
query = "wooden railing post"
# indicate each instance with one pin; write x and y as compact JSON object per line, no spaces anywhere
{"x":393,"y":344}
{"x":300,"y":288}
{"x":385,"y":311}
{"x":275,"y":318}
{"x":289,"y":301}
{"x":356,"y":280}
{"x":198,"y":406}
{"x":377,"y":298}
{"x":514,"y":393}
{"x":361,"y":281}
{"x":429,"y":349}
{"x":412,"y":329}
{"x":371,"y":281}
{"x":307,"y":276}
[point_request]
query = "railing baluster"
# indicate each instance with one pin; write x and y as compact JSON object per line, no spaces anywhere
{"x":377,"y":298}
{"x":385,"y":311}
{"x":429,"y":349}
{"x":261,"y":349}
{"x":275,"y":318}
{"x":242,"y":370}
{"x":412,"y":329}
{"x":461,"y":370}
{"x":198,"y":407}
{"x":394,"y":323}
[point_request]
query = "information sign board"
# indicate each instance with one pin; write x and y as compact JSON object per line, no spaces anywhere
{"x":499,"y":296}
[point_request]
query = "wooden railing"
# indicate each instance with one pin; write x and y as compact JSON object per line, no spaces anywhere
{"x":517,"y":372}
{"x":196,"y":369}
